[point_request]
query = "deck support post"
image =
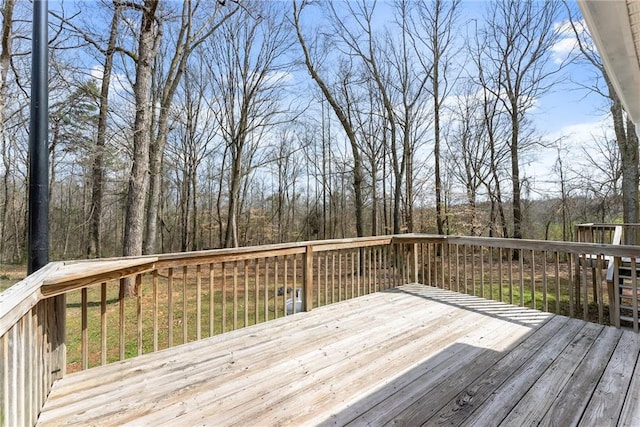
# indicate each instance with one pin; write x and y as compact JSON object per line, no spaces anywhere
{"x":56,"y":333}
{"x":307,"y":286}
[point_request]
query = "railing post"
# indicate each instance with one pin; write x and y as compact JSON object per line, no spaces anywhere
{"x":57,"y":331}
{"x":307,"y":286}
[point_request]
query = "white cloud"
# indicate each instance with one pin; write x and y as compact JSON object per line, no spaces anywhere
{"x":572,"y":140}
{"x":567,"y":42}
{"x":118,"y":84}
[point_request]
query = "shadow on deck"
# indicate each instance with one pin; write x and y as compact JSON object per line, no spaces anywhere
{"x":413,"y":355}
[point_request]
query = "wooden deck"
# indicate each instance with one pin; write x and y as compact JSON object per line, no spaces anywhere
{"x":414,"y":355}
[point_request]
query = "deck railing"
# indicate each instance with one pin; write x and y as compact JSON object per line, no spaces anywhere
{"x":609,"y":233}
{"x":75,"y":315}
{"x":581,"y":280}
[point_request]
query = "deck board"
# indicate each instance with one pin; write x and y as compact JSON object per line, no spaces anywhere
{"x":413,"y":355}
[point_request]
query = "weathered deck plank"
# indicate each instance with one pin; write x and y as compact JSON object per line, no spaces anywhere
{"x":413,"y":355}
{"x":461,"y":390}
{"x":608,"y":398}
{"x":577,"y":392}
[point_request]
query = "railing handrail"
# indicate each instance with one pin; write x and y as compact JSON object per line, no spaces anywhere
{"x":529,"y":244}
{"x":16,"y":301}
{"x":607,"y":224}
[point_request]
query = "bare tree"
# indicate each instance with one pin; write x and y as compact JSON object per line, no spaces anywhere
{"x":470,"y":150}
{"x":193,"y":135}
{"x":5,"y":66}
{"x":313,"y":63}
{"x":191,"y":34}
{"x":150,"y":32}
{"x":519,"y":38}
{"x":248,"y":74}
{"x":623,"y":127}
{"x":434,"y":33}
{"x":94,"y":248}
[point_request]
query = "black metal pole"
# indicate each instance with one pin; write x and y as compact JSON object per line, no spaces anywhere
{"x":39,"y":141}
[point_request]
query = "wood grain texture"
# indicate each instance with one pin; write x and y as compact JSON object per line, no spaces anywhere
{"x":412,"y":355}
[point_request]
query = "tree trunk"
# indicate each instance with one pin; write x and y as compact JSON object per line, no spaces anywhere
{"x":139,"y":180}
{"x":515,"y":175}
{"x":5,"y":64}
{"x":231,"y":235}
{"x":94,"y":249}
{"x":436,"y":137}
{"x":344,"y":121}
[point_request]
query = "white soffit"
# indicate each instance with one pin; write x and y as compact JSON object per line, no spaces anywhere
{"x":615,"y":29}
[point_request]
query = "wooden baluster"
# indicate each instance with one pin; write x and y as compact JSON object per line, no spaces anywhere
{"x":339,"y":276}
{"x":198,"y":302}
{"x":367,"y":266}
{"x":634,"y":292}
{"x":333,"y":277}
{"x":545,"y":282}
{"x":245,"y":266}
{"x":211,"y":300}
{"x":482,"y":293}
{"x":449,"y":264}
{"x":139,"y":313}
{"x":521,"y":275}
{"x":464,"y":269}
{"x":170,"y":306}
{"x":585,"y":288}
{"x":121,"y":298}
{"x":511,"y":275}
{"x":446,"y":281}
{"x":85,"y":338}
{"x":224,"y":298}
{"x":266,"y":289}
{"x":533,"y":280}
{"x":557,"y":275}
{"x":570,"y":267}
{"x":598,"y":280}
{"x":275,"y":288}
{"x":385,"y":269}
{"x":353,"y":277}
{"x":294,"y":294}
{"x":357,"y":272}
{"x":318,"y":281}
{"x":256,"y":282}
{"x":285,"y":272}
{"x":235,"y":295}
{"x":326,"y":278}
{"x":500,"y":290}
{"x":103,"y":323}
{"x":491,"y":296}
{"x":473,"y":269}
{"x":185,"y":309}
{"x":155,"y":310}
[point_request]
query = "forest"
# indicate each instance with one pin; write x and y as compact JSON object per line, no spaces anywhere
{"x":179,"y":126}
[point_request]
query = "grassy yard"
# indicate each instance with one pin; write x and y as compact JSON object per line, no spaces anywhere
{"x":11,"y":274}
